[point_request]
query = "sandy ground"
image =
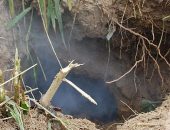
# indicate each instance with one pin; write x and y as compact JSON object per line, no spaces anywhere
{"x":154,"y":120}
{"x":37,"y":121}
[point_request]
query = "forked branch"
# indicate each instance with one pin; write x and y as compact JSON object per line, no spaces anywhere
{"x":47,"y":97}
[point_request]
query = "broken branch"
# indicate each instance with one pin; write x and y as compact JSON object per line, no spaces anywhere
{"x":47,"y":97}
{"x":84,"y":94}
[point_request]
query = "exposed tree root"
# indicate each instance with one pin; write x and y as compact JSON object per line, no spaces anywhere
{"x":136,"y":63}
{"x":144,"y":43}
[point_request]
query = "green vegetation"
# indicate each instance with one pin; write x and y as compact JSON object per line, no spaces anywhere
{"x":16,"y":19}
{"x":14,"y":105}
{"x":50,"y":11}
{"x":15,"y":112}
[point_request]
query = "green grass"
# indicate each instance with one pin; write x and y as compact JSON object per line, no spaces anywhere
{"x":16,"y":19}
{"x":51,"y":16}
{"x":50,"y":12}
{"x":15,"y":113}
{"x":11,"y":7}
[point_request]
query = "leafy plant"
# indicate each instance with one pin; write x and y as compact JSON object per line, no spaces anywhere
{"x":148,"y":105}
{"x":14,"y":105}
{"x":50,"y":12}
{"x":16,"y":113}
{"x":18,"y":92}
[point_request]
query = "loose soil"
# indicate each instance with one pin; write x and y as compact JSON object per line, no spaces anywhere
{"x":154,"y":120}
{"x":37,"y":121}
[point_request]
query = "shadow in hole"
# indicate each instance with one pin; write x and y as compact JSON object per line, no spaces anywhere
{"x":68,"y":99}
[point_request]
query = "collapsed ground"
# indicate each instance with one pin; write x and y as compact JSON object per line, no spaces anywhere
{"x":126,"y":20}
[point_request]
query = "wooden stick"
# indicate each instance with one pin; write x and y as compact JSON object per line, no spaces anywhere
{"x":17,"y":75}
{"x":84,"y":94}
{"x":7,"y":100}
{"x":47,"y":97}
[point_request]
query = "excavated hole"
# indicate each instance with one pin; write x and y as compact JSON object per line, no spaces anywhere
{"x":115,"y":100}
{"x":92,"y":53}
{"x":92,"y":77}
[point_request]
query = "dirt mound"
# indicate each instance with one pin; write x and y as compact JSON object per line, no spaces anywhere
{"x":154,"y":120}
{"x":37,"y":121}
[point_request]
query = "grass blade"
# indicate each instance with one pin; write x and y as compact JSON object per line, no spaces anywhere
{"x":59,"y":18}
{"x":15,"y":20}
{"x":50,"y":11}
{"x":44,"y":11}
{"x":11,"y":7}
{"x":53,"y":20}
{"x":16,"y":114}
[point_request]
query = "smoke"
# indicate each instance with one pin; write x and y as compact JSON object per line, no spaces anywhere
{"x":90,"y":77}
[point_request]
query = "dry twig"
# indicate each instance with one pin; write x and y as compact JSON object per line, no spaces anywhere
{"x":47,"y":97}
{"x":81,"y":91}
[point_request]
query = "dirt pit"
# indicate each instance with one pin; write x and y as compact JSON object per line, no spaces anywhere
{"x":136,"y":56}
